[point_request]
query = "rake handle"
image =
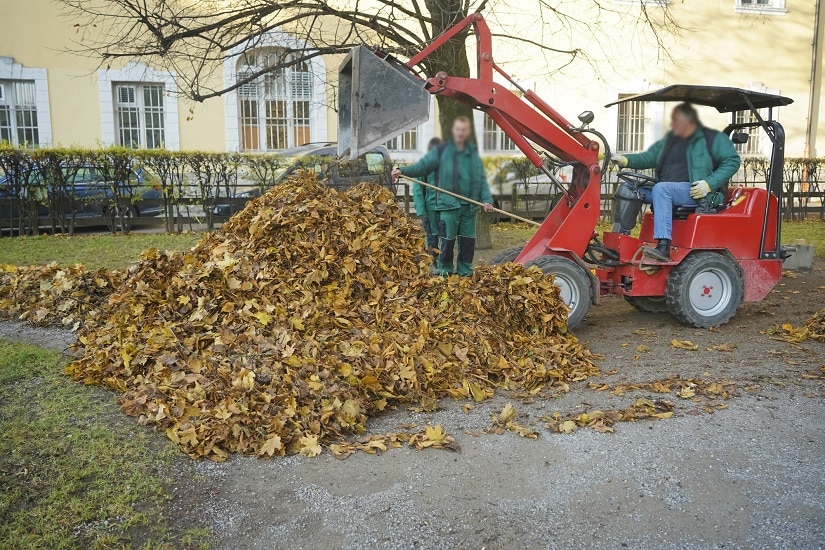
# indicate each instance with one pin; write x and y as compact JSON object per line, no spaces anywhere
{"x":471,"y":201}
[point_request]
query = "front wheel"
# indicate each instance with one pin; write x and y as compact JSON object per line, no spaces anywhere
{"x":573,"y":282}
{"x":507,"y":255}
{"x":705,"y":290}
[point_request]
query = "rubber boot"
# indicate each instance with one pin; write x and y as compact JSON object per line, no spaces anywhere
{"x":445,"y":259}
{"x":661,"y":253}
{"x":466,"y":251}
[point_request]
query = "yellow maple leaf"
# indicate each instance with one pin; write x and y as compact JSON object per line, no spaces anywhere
{"x":684,"y":344}
{"x":271,"y":446}
{"x":508,"y":414}
{"x":435,"y":434}
{"x":568,"y":427}
{"x":686,"y":393}
{"x":309,"y":446}
{"x":263,"y":317}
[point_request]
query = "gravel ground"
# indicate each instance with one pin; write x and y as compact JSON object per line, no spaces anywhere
{"x":749,"y":476}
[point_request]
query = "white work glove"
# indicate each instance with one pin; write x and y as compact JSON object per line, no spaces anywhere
{"x":621,"y":160}
{"x":699,"y":189}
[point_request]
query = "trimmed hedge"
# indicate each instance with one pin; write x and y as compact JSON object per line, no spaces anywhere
{"x":45,"y":187}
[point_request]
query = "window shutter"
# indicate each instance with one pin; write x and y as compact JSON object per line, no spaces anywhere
{"x":249,"y":90}
{"x":126,"y":95}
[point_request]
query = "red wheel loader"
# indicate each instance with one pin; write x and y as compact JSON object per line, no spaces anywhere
{"x":719,"y":259}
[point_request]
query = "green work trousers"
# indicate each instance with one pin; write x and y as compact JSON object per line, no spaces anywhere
{"x":457,"y":224}
{"x":430,"y":222}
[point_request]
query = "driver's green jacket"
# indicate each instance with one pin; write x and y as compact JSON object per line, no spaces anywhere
{"x":701,"y":159}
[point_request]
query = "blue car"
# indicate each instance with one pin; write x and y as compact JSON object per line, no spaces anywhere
{"x":87,"y":196}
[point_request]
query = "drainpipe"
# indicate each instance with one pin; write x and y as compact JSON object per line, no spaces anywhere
{"x":812,"y":96}
{"x":805,"y":184}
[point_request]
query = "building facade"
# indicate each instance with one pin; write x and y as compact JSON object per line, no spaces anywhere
{"x":49,"y":96}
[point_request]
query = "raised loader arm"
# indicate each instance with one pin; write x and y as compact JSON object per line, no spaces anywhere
{"x":374,"y":95}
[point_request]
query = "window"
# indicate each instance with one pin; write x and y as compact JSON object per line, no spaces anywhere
{"x":273,"y":109}
{"x":495,"y":140}
{"x":408,"y":141}
{"x":139,"y":115}
{"x":761,"y":6}
{"x":630,"y":134}
{"x":18,"y":113}
{"x":754,"y":144}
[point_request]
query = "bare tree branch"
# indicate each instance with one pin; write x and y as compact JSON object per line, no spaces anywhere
{"x":196,"y":37}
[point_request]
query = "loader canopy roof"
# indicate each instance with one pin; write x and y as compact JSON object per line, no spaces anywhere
{"x":723,"y":99}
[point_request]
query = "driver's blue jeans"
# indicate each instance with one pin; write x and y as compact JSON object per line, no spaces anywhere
{"x":664,"y":196}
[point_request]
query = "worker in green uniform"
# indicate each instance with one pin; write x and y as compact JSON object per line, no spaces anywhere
{"x":458,"y":169}
{"x":424,"y":202}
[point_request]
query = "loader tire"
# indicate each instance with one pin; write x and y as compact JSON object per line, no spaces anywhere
{"x":574,"y":283}
{"x":648,"y":304}
{"x":705,"y":290}
{"x":507,"y":255}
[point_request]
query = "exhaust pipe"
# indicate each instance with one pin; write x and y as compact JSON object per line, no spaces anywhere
{"x":378,"y":99}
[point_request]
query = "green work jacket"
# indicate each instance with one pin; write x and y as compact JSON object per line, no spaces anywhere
{"x":700,"y":159}
{"x":458,"y":171}
{"x":424,"y":197}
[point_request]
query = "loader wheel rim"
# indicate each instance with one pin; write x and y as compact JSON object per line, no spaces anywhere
{"x":710,"y":292}
{"x":569,"y":292}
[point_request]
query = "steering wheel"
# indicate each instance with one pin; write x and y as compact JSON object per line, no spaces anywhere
{"x":635,"y":179}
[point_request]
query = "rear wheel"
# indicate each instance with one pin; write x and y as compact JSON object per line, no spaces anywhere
{"x":648,"y":304}
{"x":573,"y":282}
{"x":705,"y":290}
{"x":507,"y":255}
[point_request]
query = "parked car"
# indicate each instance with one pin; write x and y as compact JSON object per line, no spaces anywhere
{"x":374,"y":166}
{"x":88,"y":195}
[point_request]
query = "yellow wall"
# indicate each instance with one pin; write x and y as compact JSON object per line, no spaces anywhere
{"x":717,"y":46}
{"x":40,"y":41}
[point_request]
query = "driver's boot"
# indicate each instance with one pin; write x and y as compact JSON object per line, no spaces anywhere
{"x":661,"y":253}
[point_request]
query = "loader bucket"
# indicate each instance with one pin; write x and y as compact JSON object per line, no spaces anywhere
{"x":377,"y":100}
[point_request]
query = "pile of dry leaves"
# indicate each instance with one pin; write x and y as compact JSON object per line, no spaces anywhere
{"x":48,"y":294}
{"x":309,"y":311}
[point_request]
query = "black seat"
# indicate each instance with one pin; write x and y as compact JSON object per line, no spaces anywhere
{"x":682,"y":212}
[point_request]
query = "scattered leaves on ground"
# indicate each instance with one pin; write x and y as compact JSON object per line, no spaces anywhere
{"x":684,"y":344}
{"x":813,"y":329}
{"x":506,"y":420}
{"x":603,"y":421}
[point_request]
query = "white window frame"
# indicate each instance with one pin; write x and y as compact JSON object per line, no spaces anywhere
{"x":271,"y":104}
{"x":639,"y":113}
{"x":408,"y":142}
{"x":138,"y":73}
{"x":755,"y":145}
{"x":318,"y":107}
{"x":141,"y":109}
{"x":482,"y":133}
{"x":19,"y":101}
{"x":772,"y":7}
{"x":11,"y":71}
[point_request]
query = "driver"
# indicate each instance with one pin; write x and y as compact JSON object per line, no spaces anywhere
{"x":692,"y":163}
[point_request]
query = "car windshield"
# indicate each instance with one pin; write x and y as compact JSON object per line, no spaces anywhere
{"x":317,"y":164}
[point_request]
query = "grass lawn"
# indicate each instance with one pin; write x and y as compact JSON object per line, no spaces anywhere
{"x":74,"y":472}
{"x":812,"y":230}
{"x":109,"y":251}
